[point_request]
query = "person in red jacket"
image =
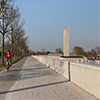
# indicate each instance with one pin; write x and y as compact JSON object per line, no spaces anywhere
{"x":8,"y":58}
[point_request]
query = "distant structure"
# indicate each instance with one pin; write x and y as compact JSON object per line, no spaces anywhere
{"x":66,"y":42}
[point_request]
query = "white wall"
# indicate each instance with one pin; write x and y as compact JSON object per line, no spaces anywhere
{"x":85,"y":76}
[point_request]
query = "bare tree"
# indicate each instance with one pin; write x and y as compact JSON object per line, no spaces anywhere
{"x":59,"y":50}
{"x":17,"y":31}
{"x":22,"y":45}
{"x":7,"y":15}
{"x":93,"y":53}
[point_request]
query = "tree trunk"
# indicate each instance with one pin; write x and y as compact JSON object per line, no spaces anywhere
{"x":12,"y":45}
{"x":3,"y":42}
{"x":3,"y":50}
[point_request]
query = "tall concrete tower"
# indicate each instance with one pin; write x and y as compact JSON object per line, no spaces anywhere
{"x":66,"y":42}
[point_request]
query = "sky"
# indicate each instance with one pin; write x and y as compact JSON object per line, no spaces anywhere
{"x":45,"y":21}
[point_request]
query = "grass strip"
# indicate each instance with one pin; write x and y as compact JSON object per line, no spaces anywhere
{"x":12,"y":62}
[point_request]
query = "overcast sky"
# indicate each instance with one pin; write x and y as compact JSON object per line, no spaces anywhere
{"x":45,"y":21}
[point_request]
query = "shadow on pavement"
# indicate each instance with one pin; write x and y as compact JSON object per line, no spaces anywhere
{"x":38,"y":86}
{"x":31,"y":73}
{"x":28,"y":73}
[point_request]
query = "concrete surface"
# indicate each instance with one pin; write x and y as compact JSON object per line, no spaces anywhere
{"x":84,"y":75}
{"x":31,"y":80}
{"x":8,"y":79}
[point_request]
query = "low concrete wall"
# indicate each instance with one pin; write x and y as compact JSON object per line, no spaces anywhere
{"x":85,"y":76}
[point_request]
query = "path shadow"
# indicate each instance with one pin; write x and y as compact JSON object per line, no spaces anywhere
{"x":30,"y":74}
{"x":15,"y":74}
{"x":11,"y":75}
{"x":29,"y":69}
{"x":28,"y":88}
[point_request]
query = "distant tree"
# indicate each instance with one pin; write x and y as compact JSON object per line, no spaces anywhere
{"x":78,"y":50}
{"x":38,"y":53}
{"x":59,"y":50}
{"x":97,"y":49}
{"x":93,"y":53}
{"x":21,"y":46}
{"x":88,"y":54}
{"x":33,"y":52}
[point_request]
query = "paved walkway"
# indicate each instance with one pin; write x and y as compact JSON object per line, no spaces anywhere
{"x":31,"y":80}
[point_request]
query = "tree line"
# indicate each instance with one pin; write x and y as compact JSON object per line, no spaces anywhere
{"x":12,"y":30}
{"x":92,"y":53}
{"x":77,"y":51}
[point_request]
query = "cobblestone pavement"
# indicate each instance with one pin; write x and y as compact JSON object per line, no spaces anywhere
{"x":31,"y":80}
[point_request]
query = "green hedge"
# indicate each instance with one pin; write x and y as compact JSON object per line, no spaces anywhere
{"x":71,"y":56}
{"x":92,"y":59}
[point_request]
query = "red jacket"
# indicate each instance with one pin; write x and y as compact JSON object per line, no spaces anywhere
{"x":8,"y":56}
